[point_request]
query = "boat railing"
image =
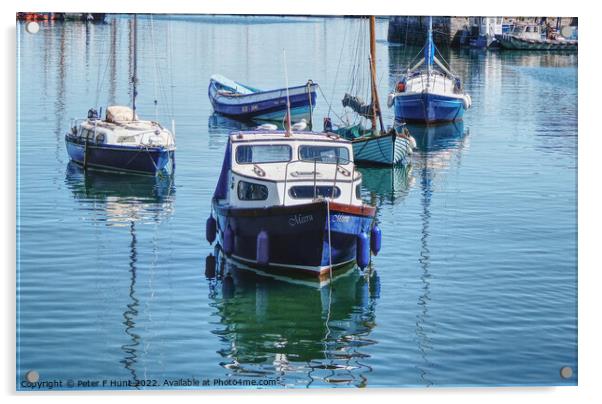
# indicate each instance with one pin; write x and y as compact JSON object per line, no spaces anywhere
{"x":318,"y":160}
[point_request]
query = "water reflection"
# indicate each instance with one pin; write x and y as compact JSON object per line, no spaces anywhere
{"x":119,"y":199}
{"x":297,"y":334}
{"x":386,"y":185}
{"x":125,"y":201}
{"x":220,"y":127}
{"x":438,"y":146}
{"x":130,"y":314}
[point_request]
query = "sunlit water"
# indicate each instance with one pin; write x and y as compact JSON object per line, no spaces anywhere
{"x":476,"y":283}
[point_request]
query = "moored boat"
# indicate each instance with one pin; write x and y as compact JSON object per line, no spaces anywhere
{"x":289,"y":204}
{"x":371,"y":145}
{"x":121,"y":142}
{"x":429,"y":92}
{"x":243,"y":102}
{"x":529,"y":37}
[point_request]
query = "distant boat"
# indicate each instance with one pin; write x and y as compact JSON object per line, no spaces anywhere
{"x":371,"y":145}
{"x":429,"y":92}
{"x":289,"y":205}
{"x":529,"y":37}
{"x":243,"y":102}
{"x":121,"y":142}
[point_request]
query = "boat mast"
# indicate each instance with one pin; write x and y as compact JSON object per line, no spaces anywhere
{"x":287,"y":124}
{"x":429,"y":50}
{"x":375,"y":103}
{"x":135,"y":68}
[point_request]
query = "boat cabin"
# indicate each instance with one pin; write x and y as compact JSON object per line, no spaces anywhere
{"x":527,"y":31}
{"x":269,"y":168}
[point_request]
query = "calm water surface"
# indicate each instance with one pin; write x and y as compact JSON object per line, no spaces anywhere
{"x":476,"y":283}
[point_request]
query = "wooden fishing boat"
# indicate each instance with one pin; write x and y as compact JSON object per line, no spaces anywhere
{"x":370,"y":145}
{"x":243,"y":102}
{"x":289,"y":204}
{"x":121,"y":142}
{"x":429,"y":92}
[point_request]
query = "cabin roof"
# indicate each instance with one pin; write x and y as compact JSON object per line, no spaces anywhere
{"x":253,"y":135}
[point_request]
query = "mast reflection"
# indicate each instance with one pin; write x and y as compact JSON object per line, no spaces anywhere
{"x":124,"y":201}
{"x":437,"y":147}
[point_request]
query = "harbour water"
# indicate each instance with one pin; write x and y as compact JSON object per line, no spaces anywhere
{"x":476,"y":282}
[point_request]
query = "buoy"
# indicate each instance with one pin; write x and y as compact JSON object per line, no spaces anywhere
{"x":263,"y":248}
{"x":210,"y":266}
{"x":210,"y":229}
{"x":228,"y":240}
{"x":375,"y":239}
{"x":362,"y":250}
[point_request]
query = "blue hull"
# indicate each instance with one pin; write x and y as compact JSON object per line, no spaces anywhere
{"x":428,"y":108}
{"x":265,"y":105}
{"x":298,"y":237}
{"x":119,"y":158}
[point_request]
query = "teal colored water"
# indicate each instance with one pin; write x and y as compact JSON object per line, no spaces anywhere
{"x":476,"y":282}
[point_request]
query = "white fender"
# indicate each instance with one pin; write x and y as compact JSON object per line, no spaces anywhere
{"x":467,"y":101}
{"x":390,"y":100}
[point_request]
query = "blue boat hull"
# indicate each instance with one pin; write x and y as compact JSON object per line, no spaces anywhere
{"x":147,"y":161}
{"x":298,"y":237}
{"x":266,"y":105}
{"x":428,"y":108}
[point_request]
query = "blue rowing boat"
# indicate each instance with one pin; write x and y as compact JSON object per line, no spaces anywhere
{"x":243,"y":102}
{"x":429,"y":92}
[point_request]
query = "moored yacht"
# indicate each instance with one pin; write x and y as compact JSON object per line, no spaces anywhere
{"x":120,"y":142}
{"x":429,"y":92}
{"x":289,"y":204}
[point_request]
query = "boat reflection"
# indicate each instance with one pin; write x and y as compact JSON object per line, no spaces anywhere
{"x":128,"y":202}
{"x":121,"y":199}
{"x":297,"y":334}
{"x":438,"y":147}
{"x":386,"y":184}
{"x":437,"y":137}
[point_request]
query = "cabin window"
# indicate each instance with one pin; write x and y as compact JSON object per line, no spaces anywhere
{"x":307,"y":191}
{"x":268,"y":153}
{"x":358,"y":191}
{"x":324,"y":154}
{"x":248,"y":191}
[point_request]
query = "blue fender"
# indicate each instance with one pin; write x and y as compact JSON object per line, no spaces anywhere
{"x":228,"y":240}
{"x":263,"y":248}
{"x":363,"y":250}
{"x":375,"y":239}
{"x":210,"y":229}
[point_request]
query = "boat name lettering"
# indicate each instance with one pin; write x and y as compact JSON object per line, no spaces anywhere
{"x":340,"y":218}
{"x":300,"y":219}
